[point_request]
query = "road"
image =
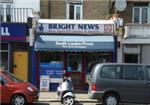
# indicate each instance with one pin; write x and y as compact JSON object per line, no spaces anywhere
{"x":78,"y":103}
{"x":57,"y":103}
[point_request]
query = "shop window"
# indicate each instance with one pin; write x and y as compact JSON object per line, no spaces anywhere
{"x":20,"y":47}
{"x":74,"y":63}
{"x":47,"y":57}
{"x":4,"y":47}
{"x":131,"y":58}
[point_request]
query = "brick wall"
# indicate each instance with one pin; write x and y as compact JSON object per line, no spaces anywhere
{"x":95,"y":9}
{"x":44,"y":6}
{"x":92,"y":9}
{"x":58,"y":9}
{"x":127,"y":13}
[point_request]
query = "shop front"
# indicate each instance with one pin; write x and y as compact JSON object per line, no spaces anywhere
{"x":71,"y":46}
{"x":14,"y":49}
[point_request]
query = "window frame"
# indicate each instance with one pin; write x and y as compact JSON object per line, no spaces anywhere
{"x":140,"y":14}
{"x":6,"y":12}
{"x":75,"y":5}
{"x":75,"y":12}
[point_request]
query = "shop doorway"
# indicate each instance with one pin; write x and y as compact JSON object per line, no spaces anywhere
{"x":20,"y":65}
{"x":75,"y":69}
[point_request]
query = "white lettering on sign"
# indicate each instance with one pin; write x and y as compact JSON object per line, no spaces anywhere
{"x":73,"y":44}
{"x":4,"y":31}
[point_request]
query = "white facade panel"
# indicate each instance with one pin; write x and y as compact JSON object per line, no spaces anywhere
{"x":34,"y":4}
{"x":145,"y":54}
{"x":145,"y":40}
{"x":137,"y":30}
{"x":130,"y":49}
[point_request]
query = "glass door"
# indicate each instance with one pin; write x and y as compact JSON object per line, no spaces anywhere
{"x":74,"y":69}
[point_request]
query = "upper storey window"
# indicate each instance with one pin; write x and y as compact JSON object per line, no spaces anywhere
{"x":74,"y":9}
{"x":141,"y":13}
{"x":5,"y":12}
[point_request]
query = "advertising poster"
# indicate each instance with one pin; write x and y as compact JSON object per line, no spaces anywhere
{"x":44,"y":83}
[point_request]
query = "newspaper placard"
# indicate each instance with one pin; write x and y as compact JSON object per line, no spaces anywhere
{"x":44,"y":83}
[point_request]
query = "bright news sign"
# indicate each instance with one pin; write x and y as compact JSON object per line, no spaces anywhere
{"x":76,"y":28}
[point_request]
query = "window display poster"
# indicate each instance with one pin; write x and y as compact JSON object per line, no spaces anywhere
{"x":53,"y":69}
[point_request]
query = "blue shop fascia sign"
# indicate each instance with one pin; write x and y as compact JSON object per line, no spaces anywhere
{"x":13,"y":31}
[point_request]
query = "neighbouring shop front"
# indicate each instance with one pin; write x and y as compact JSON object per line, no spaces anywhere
{"x":136,"y":50}
{"x":14,"y":49}
{"x":71,"y":46}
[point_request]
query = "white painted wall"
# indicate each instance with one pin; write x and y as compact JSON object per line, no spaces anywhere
{"x":145,"y":54}
{"x":20,"y":9}
{"x":120,"y":51}
{"x":137,"y":30}
{"x":34,"y":4}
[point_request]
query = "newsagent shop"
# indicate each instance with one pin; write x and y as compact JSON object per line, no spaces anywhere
{"x":70,"y":46}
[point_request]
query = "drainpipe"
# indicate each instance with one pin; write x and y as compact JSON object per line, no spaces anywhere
{"x":32,"y":54}
{"x":49,"y":8}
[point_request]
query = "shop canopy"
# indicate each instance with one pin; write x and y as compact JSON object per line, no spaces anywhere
{"x":74,"y":43}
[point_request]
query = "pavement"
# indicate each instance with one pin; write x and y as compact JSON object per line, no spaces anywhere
{"x":52,"y":97}
{"x":80,"y":97}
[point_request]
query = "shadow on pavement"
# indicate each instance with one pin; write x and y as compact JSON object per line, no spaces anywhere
{"x":80,"y":91}
{"x":32,"y":104}
{"x":40,"y":103}
{"x":78,"y":103}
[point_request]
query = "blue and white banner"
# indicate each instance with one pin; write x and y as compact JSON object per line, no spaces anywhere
{"x":73,"y":27}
